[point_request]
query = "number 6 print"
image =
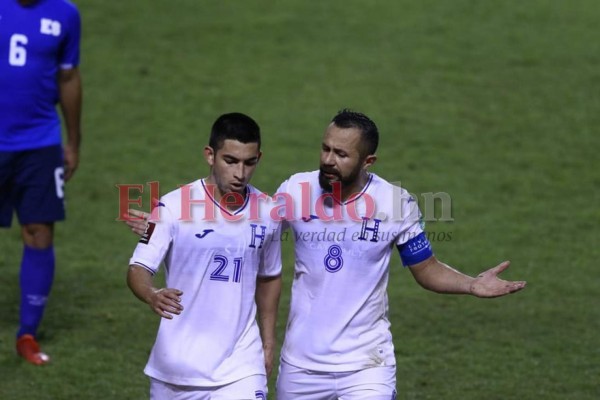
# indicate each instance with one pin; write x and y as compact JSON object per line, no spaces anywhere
{"x":59,"y":182}
{"x":17,"y":54}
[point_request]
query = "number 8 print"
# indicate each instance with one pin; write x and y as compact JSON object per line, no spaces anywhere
{"x":333,"y":260}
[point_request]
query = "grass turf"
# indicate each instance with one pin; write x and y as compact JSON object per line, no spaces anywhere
{"x":494,"y":103}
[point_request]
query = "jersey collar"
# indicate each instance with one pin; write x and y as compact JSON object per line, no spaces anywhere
{"x":239,"y":210}
{"x":357,"y":195}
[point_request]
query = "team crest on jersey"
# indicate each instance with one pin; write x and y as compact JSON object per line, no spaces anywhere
{"x":258,"y":235}
{"x":49,"y":27}
{"x":148,"y":233}
{"x":369,"y":230}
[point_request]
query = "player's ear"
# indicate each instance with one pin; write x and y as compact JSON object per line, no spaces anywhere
{"x":369,"y":160}
{"x":258,"y":156}
{"x":209,"y":155}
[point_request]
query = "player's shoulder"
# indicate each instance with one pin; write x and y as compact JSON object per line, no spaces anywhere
{"x":67,"y":5}
{"x":261,"y":204}
{"x":306,"y":175}
{"x":380,"y":184}
{"x":192,"y":190}
{"x":256,"y":192}
{"x":389,"y":195}
{"x":309,"y":177}
{"x":62,"y":11}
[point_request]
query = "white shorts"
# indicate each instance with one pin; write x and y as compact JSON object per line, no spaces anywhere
{"x":251,"y":388}
{"x":376,"y":383}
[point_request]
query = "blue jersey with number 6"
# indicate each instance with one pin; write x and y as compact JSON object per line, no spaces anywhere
{"x":35,"y":42}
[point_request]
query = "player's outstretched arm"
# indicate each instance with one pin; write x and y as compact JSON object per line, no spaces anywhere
{"x":441,"y":278}
{"x":165,"y":302}
{"x":268,"y":290}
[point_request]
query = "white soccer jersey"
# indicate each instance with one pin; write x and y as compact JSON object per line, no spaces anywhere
{"x":215,"y":340}
{"x":338,"y":318}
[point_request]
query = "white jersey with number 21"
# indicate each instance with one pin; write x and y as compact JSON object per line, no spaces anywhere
{"x":215,"y":262}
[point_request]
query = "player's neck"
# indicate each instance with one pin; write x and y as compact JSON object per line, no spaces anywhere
{"x":356,"y":187}
{"x":232,"y":202}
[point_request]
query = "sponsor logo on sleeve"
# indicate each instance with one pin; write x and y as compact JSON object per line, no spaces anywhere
{"x":148,"y":233}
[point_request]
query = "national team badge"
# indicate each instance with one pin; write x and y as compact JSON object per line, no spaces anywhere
{"x":148,"y":233}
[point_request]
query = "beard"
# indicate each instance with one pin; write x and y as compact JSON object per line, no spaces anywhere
{"x":343,"y":181}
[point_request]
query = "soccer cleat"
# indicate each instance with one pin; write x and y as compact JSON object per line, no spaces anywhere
{"x":29,"y":349}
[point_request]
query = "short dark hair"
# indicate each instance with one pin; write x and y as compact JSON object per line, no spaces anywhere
{"x":347,"y":118}
{"x":234,"y":126}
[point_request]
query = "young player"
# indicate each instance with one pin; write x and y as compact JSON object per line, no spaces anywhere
{"x":39,"y":55}
{"x":214,"y":244}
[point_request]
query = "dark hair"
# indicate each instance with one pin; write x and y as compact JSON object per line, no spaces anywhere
{"x":234,"y":126}
{"x":369,"y":134}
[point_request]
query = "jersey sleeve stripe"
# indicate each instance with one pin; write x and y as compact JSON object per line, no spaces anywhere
{"x":143,"y":266}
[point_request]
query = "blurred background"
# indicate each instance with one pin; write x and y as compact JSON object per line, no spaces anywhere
{"x":494,"y":103}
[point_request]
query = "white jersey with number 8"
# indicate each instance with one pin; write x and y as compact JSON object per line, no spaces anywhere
{"x":338,"y":319}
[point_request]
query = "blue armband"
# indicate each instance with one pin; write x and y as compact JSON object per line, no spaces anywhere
{"x":415,"y":250}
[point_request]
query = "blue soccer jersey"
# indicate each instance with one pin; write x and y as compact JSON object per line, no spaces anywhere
{"x":35,"y":42}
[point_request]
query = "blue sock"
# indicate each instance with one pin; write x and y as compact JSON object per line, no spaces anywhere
{"x":37,"y":274}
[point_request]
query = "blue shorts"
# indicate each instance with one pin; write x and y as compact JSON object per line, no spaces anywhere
{"x":31,"y":183}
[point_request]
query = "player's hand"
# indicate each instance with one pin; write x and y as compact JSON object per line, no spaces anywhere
{"x":71,"y":155}
{"x":488,"y":284}
{"x":166,"y":302}
{"x":137,"y":221}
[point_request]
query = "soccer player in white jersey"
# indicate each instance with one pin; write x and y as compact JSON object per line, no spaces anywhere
{"x":214,"y":245}
{"x":346,"y":222}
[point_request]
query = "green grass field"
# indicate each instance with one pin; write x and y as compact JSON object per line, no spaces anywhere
{"x":494,"y":103}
